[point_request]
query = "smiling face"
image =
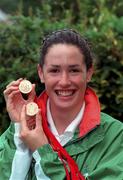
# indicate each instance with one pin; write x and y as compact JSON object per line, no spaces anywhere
{"x":65,"y":76}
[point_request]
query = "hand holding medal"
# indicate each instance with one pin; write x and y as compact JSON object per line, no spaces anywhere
{"x":25,"y":88}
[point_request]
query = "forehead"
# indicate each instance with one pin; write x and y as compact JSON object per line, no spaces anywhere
{"x":60,"y":53}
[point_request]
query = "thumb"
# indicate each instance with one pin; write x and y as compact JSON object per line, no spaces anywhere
{"x":23,"y":118}
{"x":39,"y":120}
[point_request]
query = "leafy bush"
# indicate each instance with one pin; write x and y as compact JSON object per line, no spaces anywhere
{"x":20,"y":43}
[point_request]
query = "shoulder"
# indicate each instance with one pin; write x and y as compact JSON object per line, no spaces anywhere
{"x":111,"y":125}
{"x":105,"y":118}
{"x":109,"y":151}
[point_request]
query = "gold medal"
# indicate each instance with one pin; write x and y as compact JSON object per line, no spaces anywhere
{"x":31,"y":109}
{"x":25,"y":86}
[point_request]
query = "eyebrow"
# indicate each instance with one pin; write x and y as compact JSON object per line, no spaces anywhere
{"x":71,"y":66}
{"x":74,"y":66}
{"x":56,"y":66}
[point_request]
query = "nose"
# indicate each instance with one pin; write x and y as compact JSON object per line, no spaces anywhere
{"x":64,"y":79}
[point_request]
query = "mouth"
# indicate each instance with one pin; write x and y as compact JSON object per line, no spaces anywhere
{"x":65,"y":93}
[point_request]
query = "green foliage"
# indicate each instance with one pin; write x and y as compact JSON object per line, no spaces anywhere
{"x":20,"y":43}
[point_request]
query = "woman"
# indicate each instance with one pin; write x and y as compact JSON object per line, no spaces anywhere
{"x":69,"y":138}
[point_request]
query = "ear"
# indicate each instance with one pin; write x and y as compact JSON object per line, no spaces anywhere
{"x":40,"y":73}
{"x":90,"y":73}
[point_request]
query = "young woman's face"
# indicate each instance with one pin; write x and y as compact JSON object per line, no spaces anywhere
{"x":65,"y":76}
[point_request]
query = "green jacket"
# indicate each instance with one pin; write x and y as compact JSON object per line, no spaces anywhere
{"x":98,"y":153}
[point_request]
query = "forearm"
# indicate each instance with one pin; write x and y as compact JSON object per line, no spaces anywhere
{"x":13,"y":152}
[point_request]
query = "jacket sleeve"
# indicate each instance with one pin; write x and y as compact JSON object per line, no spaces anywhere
{"x":15,"y":157}
{"x":48,"y":165}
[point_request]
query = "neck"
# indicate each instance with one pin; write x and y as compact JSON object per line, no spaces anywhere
{"x":62,"y":118}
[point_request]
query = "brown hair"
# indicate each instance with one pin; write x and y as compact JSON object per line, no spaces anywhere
{"x":67,"y":36}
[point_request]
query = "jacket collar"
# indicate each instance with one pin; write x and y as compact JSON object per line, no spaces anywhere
{"x":91,"y":118}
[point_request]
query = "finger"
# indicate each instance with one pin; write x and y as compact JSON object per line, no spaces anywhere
{"x":10,"y":84}
{"x":31,"y":123}
{"x":14,"y":83}
{"x":39,"y":120}
{"x":13,"y":93}
{"x":10,"y":96}
{"x":9,"y":90}
{"x":23,"y":118}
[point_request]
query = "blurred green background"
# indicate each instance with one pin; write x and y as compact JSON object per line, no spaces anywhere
{"x":21,"y":33}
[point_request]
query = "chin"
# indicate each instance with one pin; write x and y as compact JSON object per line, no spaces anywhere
{"x":66,"y":105}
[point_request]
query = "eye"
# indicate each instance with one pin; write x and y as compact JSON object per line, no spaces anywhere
{"x":75,"y":70}
{"x":54,"y":70}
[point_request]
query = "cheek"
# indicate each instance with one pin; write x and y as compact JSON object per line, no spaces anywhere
{"x":49,"y":83}
{"x":80,"y":79}
{"x":49,"y":80}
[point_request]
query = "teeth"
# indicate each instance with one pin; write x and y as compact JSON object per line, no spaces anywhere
{"x":64,"y":93}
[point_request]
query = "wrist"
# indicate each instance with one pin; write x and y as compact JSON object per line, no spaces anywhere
{"x":42,"y":142}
